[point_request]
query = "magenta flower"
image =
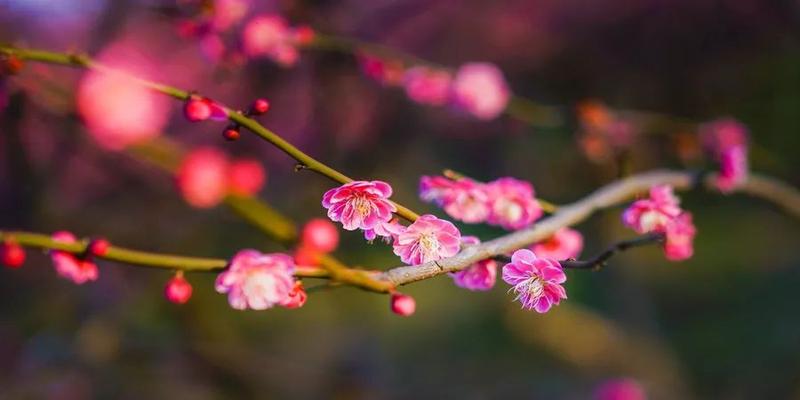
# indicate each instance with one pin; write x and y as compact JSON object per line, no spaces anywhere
{"x":726,"y":139}
{"x":359,"y":204}
{"x":388,"y":231}
{"x":463,"y":199}
{"x":427,"y":239}
{"x":680,"y":234}
{"x":654,"y":213}
{"x":270,"y":36}
{"x":297,"y":296}
{"x":427,"y":86}
{"x":733,"y":170}
{"x":202,"y":177}
{"x":513,"y":205}
{"x":536,"y":281}
{"x":620,"y":389}
{"x":480,"y":276}
{"x":70,"y":266}
{"x":481,"y":90}
{"x":257,"y":281}
{"x":564,"y":244}
{"x":386,"y":72}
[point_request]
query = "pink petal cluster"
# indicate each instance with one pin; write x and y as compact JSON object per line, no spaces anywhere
{"x":661,"y":213}
{"x":620,"y":389}
{"x":513,"y":203}
{"x":427,"y":239}
{"x":206,"y":175}
{"x":463,"y":199}
{"x":726,"y":139}
{"x":481,"y":90}
{"x":427,"y":86}
{"x":603,"y":133}
{"x":70,"y":266}
{"x":480,"y":276}
{"x":387,"y":72}
{"x":566,"y":243}
{"x":257,"y":281}
{"x":360,"y":204}
{"x":388,"y":231}
{"x":653,"y":213}
{"x":297,"y":296}
{"x":270,"y":36}
{"x":536,"y":281}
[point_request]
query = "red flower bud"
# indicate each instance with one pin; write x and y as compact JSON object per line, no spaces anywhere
{"x":231,"y":134}
{"x":178,"y":290}
{"x":403,"y":305}
{"x":98,"y":247}
{"x":12,"y":255}
{"x":259,"y":107}
{"x":197,"y":110}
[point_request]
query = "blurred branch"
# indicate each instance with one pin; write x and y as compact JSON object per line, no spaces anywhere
{"x":83,"y":61}
{"x":615,"y":193}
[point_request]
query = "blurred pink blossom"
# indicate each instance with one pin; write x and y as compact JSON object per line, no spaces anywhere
{"x":481,"y":90}
{"x":403,"y":304}
{"x":564,"y":244}
{"x":388,"y":231}
{"x":320,"y":234}
{"x":427,"y":239}
{"x":268,"y":35}
{"x":680,"y":234}
{"x":536,"y":281}
{"x":297,"y":296}
{"x":246,"y":177}
{"x":70,"y":266}
{"x":513,"y":205}
{"x":359,"y":204}
{"x":733,"y":170}
{"x":178,"y":289}
{"x":257,"y":281}
{"x":202,"y":177}
{"x":427,"y":86}
{"x":463,"y":199}
{"x":654,"y":213}
{"x":727,"y":141}
{"x":479,"y":276}
{"x":387,"y":72}
{"x":620,"y":389}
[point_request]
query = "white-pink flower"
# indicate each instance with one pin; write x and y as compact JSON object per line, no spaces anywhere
{"x":270,"y":36}
{"x":480,"y":276}
{"x":481,"y":90}
{"x":463,"y":199}
{"x":427,"y":86}
{"x":427,"y":239}
{"x":564,"y":244}
{"x":513,"y":205}
{"x":536,"y":281}
{"x":726,"y":139}
{"x":257,"y":281}
{"x":653,"y":213}
{"x":70,"y":266}
{"x":680,"y":233}
{"x":360,"y":204}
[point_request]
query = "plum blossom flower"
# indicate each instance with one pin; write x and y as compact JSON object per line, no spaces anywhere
{"x":297,"y":296}
{"x":481,"y":90}
{"x":388,"y":231}
{"x":270,"y":36}
{"x":565,"y":243}
{"x":680,"y":233}
{"x":480,"y":276}
{"x":427,"y":86}
{"x":403,"y":304}
{"x":463,"y":199}
{"x":620,"y":389}
{"x":536,"y":281}
{"x":653,"y":213}
{"x":257,"y":281}
{"x":726,"y":139}
{"x":70,"y":266}
{"x":202,"y":177}
{"x":359,"y":204}
{"x":246,"y":177}
{"x":427,"y":239}
{"x":603,"y":133}
{"x":386,"y":72}
{"x":512,"y":202}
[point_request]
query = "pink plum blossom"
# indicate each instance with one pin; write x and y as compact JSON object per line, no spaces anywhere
{"x":403,"y":304}
{"x":653,"y":213}
{"x":386,"y":72}
{"x":733,"y":170}
{"x":620,"y":389}
{"x":536,"y":281}
{"x":564,"y":244}
{"x":427,"y":86}
{"x":202,"y":177}
{"x":359,"y":204}
{"x":320,"y":234}
{"x":479,"y":276}
{"x":388,"y":231}
{"x":726,"y":139}
{"x":481,"y":90}
{"x":246,"y":177}
{"x":512,"y":202}
{"x":70,"y":266}
{"x":257,"y":281}
{"x":270,"y":36}
{"x":464,"y":199}
{"x":680,"y":233}
{"x":427,"y":239}
{"x":297,"y":296}
{"x":178,"y":289}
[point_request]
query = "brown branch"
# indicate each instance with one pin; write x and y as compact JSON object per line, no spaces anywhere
{"x":600,"y":260}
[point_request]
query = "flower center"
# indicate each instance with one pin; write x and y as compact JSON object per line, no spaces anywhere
{"x":362,"y":205}
{"x":533,"y":286}
{"x":510,"y":209}
{"x":429,"y":244}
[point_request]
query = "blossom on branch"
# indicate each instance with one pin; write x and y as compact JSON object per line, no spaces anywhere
{"x":359,"y":204}
{"x":653,"y":213}
{"x":257,"y":281}
{"x":565,"y":243}
{"x":270,"y":36}
{"x":481,"y":90}
{"x":512,"y":202}
{"x":680,"y":233}
{"x":727,"y":141}
{"x":70,"y":266}
{"x":462,"y":199}
{"x":480,"y":276}
{"x":536,"y":281}
{"x":427,"y":86}
{"x":427,"y":239}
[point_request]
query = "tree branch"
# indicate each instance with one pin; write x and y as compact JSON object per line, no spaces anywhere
{"x":599,"y":260}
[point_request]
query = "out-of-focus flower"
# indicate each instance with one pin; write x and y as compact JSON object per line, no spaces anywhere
{"x":564,"y":244}
{"x":479,"y":276}
{"x":70,"y":266}
{"x":307,"y":256}
{"x":256,"y":281}
{"x":297,"y":296}
{"x":359,"y":204}
{"x":427,"y":239}
{"x":513,"y":205}
{"x":727,"y":141}
{"x":620,"y":389}
{"x":178,"y":289}
{"x":98,"y":247}
{"x":481,"y":90}
{"x":603,"y":133}
{"x":246,"y":177}
{"x":270,"y":36}
{"x":403,"y":304}
{"x":536,"y":281}
{"x":320,"y":234}
{"x":202,"y":177}
{"x":680,"y":233}
{"x":226,"y":13}
{"x":427,"y":86}
{"x":653,"y":213}
{"x":12,"y":254}
{"x":388,"y":231}
{"x":386,"y":72}
{"x":463,"y":199}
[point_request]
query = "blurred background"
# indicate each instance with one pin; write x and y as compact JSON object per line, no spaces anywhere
{"x":724,"y":324}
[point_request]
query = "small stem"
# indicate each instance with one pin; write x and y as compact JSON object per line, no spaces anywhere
{"x":599,"y":260}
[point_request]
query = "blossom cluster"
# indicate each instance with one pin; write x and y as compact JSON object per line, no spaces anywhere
{"x":506,"y":202}
{"x":726,"y":139}
{"x":661,"y":212}
{"x":259,"y":281}
{"x":206,"y":175}
{"x":477,"y":88}
{"x":603,"y":133}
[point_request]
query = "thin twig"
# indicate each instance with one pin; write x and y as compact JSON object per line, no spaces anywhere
{"x":600,"y":260}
